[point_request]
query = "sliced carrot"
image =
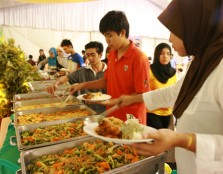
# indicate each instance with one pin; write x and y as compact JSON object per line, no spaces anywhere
{"x":129,"y":156}
{"x":68,"y":151}
{"x":39,"y":164}
{"x":105,"y":165}
{"x":91,"y":146}
{"x":135,"y":159}
{"x":56,"y":139}
{"x":31,"y":139}
{"x":63,"y":134}
{"x":119,"y":152}
{"x":58,"y":165}
{"x":60,"y":172}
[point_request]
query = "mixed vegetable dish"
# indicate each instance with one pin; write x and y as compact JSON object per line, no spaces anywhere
{"x":53,"y":133}
{"x":88,"y":158}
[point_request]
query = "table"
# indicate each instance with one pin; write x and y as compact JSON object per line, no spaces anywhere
{"x":9,"y":154}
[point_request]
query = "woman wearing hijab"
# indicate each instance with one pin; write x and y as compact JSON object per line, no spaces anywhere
{"x":62,"y":58}
{"x":198,"y":97}
{"x":161,"y":75}
{"x":52,"y":60}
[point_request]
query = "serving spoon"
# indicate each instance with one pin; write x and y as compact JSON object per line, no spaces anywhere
{"x":99,"y":117}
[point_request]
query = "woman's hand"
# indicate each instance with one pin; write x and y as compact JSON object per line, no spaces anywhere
{"x":164,"y":139}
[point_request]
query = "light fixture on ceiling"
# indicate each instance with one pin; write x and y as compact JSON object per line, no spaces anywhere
{"x":53,"y":1}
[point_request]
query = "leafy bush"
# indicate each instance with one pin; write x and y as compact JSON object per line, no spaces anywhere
{"x":15,"y":72}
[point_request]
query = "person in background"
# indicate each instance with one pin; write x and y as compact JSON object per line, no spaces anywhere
{"x":198,"y":96}
{"x":108,"y":49}
{"x":86,"y":61}
{"x":186,"y":62}
{"x":127,"y":71}
{"x":62,"y":58}
{"x":83,"y":53}
{"x":161,"y":75}
{"x":75,"y":61}
{"x":42,"y":56}
{"x":52,"y":59}
{"x":173,"y":61}
{"x":30,"y":61}
{"x":95,"y":70}
{"x":150,"y":60}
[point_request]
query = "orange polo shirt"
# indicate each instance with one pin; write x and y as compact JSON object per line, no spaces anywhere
{"x":128,"y":75}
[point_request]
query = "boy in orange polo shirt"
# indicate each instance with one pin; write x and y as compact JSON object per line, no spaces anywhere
{"x":128,"y":67}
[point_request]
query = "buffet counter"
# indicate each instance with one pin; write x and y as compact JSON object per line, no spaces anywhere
{"x":41,"y":132}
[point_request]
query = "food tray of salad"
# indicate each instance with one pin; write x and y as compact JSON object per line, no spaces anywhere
{"x":49,"y":133}
{"x":44,"y":103}
{"x":36,"y":95}
{"x":50,"y":114}
{"x":89,"y":155}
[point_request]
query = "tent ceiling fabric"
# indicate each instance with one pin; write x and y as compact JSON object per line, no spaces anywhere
{"x":53,"y":1}
{"x":142,"y":15}
{"x":11,"y":3}
{"x":162,"y":4}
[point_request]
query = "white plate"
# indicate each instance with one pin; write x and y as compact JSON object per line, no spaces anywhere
{"x":103,"y":97}
{"x":90,"y":129}
{"x":64,"y":69}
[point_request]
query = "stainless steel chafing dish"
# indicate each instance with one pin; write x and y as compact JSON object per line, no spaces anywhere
{"x":18,"y":104}
{"x":31,"y":127}
{"x":149,"y":165}
{"x":41,"y":85}
{"x":35,"y":95}
{"x":50,"y":110}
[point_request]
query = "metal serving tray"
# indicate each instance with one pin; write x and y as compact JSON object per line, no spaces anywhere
{"x":35,"y":95}
{"x":41,"y":85}
{"x":51,"y":110}
{"x":18,"y":104}
{"x":148,"y":165}
{"x":19,"y":171}
{"x":30,"y":127}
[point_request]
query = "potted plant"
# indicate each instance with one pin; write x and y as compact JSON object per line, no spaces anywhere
{"x":14,"y":74}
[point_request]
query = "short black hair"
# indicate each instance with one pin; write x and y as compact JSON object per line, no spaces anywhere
{"x":30,"y":56}
{"x":40,"y":50}
{"x":94,"y":44}
{"x":114,"y":21}
{"x":66,"y":42}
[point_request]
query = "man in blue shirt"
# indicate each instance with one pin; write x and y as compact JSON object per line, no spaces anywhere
{"x":75,"y":61}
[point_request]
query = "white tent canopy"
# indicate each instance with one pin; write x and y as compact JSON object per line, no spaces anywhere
{"x":35,"y":26}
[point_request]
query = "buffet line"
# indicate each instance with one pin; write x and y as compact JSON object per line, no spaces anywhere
{"x":51,"y":138}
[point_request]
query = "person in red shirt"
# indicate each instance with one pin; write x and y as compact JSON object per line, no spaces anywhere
{"x":30,"y":61}
{"x":128,"y":67}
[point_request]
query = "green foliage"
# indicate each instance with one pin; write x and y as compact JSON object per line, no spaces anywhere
{"x":15,"y":72}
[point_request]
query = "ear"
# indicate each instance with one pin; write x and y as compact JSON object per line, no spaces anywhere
{"x":100,"y":55}
{"x":123,"y":32}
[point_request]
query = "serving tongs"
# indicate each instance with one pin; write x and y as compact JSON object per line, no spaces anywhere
{"x":98,"y":118}
{"x":69,"y":97}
